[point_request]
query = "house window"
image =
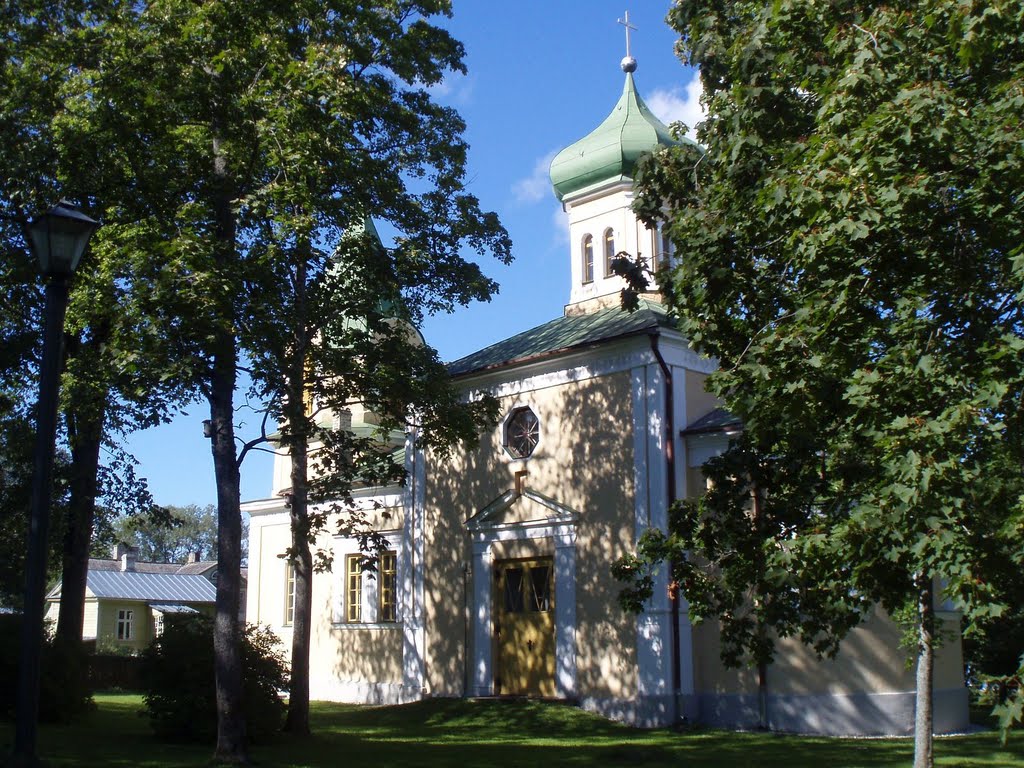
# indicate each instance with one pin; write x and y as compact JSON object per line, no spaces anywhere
{"x":126,"y":624}
{"x":354,"y":588}
{"x":386,"y":592}
{"x":588,"y":259}
{"x":609,"y":251}
{"x":289,"y":594}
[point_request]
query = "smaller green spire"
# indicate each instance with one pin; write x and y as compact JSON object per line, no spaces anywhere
{"x":610,"y":151}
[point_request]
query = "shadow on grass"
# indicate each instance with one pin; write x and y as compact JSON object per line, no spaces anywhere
{"x":466,"y":733}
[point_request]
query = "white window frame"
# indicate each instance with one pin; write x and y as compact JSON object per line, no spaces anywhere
{"x":587,"y":259}
{"x":608,"y":249}
{"x":125,"y":629}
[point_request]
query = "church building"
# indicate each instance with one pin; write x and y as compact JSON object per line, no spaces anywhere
{"x":496,"y":580}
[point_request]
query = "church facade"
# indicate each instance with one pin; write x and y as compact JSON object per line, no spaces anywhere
{"x":497,"y":581}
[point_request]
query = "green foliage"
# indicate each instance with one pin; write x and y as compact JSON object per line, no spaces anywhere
{"x":178,"y":680}
{"x":166,"y":534}
{"x":64,"y":691}
{"x":17,"y":443}
{"x":232,"y":150}
{"x":853,"y":258}
{"x":734,"y":557}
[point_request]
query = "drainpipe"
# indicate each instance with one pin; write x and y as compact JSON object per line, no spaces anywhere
{"x":670,"y":461}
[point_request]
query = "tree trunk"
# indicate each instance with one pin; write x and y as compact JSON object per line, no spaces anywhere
{"x":762,"y":663}
{"x":85,"y":416}
{"x":302,"y":562}
{"x":298,"y":428}
{"x":231,"y":737}
{"x":87,"y":431}
{"x":923,"y":720}
{"x":231,"y":745}
{"x":762,"y":695}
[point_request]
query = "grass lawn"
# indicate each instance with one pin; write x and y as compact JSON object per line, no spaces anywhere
{"x":455,"y":732}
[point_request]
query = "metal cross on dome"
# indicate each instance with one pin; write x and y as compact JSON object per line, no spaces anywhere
{"x":625,"y":22}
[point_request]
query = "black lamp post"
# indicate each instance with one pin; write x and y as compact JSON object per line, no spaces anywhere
{"x":59,"y":237}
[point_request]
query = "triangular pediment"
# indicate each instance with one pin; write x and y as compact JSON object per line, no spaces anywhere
{"x":513,"y":509}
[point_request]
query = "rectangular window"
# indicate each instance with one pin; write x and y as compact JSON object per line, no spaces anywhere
{"x":354,"y":588}
{"x":125,"y":624}
{"x":289,"y":594}
{"x":387,"y":573}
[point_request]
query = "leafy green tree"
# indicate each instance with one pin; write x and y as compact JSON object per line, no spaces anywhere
{"x":853,"y":259}
{"x":733,"y":555}
{"x":220,"y":120}
{"x":332,"y":314}
{"x":167,"y":534}
{"x":359,"y":349}
{"x":116,"y":377}
{"x":178,"y":685}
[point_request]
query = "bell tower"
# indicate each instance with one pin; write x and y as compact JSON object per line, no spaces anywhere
{"x":593,"y":179}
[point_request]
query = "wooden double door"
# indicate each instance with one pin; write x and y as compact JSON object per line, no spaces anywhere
{"x":524,"y":627}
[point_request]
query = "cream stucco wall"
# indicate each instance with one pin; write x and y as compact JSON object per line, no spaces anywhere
{"x":699,"y":402}
{"x":593,"y":214}
{"x":870,"y":660}
{"x":344,"y":658}
{"x":583,"y":461}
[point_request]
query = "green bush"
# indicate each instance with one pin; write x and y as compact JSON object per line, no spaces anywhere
{"x":178,"y":680}
{"x":64,"y":690}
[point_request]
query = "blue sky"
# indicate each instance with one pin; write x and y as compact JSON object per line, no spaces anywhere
{"x":541,"y":75}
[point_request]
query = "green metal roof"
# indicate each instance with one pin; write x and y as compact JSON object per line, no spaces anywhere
{"x":611,"y":150}
{"x":718,"y":420}
{"x":564,"y":334}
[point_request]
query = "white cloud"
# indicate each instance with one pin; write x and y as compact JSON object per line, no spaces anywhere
{"x":456,"y":88}
{"x":679,"y":104}
{"x":560,"y":223}
{"x":537,"y":185}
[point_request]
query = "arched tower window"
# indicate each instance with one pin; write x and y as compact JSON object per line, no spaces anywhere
{"x":609,"y":251}
{"x":588,"y":259}
{"x":663,"y":248}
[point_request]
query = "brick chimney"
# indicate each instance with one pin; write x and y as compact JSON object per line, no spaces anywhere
{"x":193,"y":557}
{"x":118,"y":551}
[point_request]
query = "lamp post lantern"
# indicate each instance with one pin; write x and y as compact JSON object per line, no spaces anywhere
{"x":59,"y":238}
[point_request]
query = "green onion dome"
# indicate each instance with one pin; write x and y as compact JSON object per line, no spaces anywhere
{"x":610,"y":151}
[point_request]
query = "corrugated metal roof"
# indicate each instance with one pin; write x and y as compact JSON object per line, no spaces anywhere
{"x":565,"y":333}
{"x":164,"y":587}
{"x":172,"y":608}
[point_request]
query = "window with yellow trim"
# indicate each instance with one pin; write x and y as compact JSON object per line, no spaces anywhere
{"x":354,"y":588}
{"x":386,"y":591}
{"x":289,"y":593}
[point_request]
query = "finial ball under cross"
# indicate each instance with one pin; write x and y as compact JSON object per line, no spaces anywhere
{"x":628,"y":63}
